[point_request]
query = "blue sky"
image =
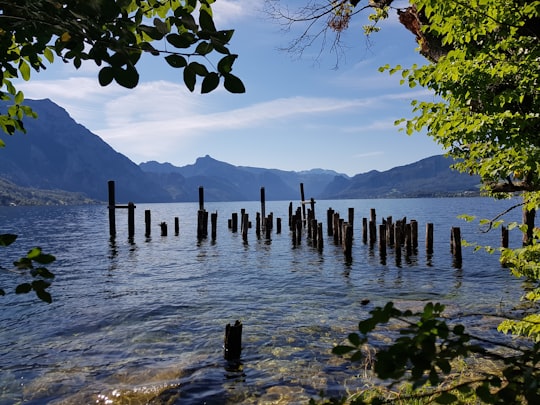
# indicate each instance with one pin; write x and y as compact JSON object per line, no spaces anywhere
{"x":297,"y":113}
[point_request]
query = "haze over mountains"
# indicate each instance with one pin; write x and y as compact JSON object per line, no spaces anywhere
{"x":59,"y":154}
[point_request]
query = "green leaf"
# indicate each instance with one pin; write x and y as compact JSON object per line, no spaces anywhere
{"x":128,"y":78}
{"x":210,"y":82}
{"x":19,"y":97}
{"x":7,"y":239}
{"x":198,"y":68}
{"x":190,"y":78}
{"x":44,"y":259}
{"x":446,"y":398}
{"x":225,"y":64}
{"x":44,"y":296}
{"x":24,"y":68}
{"x":341,"y":350}
{"x":204,"y":48}
{"x":206,"y":21}
{"x":234,"y":84}
{"x":176,"y":61}
{"x":23,"y":288}
{"x":181,"y":41}
{"x":106,"y":76}
{"x":2,"y":292}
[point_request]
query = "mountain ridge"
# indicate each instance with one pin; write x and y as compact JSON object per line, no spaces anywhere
{"x":57,"y":153}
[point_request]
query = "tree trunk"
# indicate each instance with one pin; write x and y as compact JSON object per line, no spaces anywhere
{"x":528,"y":219}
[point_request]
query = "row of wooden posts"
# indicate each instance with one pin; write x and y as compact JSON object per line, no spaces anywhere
{"x":302,"y":221}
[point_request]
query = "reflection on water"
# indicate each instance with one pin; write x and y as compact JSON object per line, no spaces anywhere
{"x":143,"y":320}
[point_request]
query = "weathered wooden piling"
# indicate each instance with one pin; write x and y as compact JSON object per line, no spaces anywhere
{"x":233,"y":341}
{"x":408,"y":240}
{"x":112,"y":207}
{"x":303,"y":199}
{"x":372,"y":226}
{"x":245,"y":226}
{"x":278,"y":225}
{"x":504,"y":237}
{"x":258,"y":225}
{"x":389,"y":231}
{"x":147,"y":223}
{"x":329,"y":222}
{"x":347,"y":241}
{"x":455,"y":246}
{"x":382,"y":240}
{"x":263,"y":206}
{"x":429,"y":238}
{"x":213,"y":220}
{"x":414,"y":233}
{"x":163,"y":226}
{"x":364,"y":230}
{"x":234,"y":222}
{"x":202,"y":224}
{"x":350,"y":218}
{"x":268,"y":226}
{"x":320,"y":242}
{"x":176,"y":226}
{"x":337,"y":230}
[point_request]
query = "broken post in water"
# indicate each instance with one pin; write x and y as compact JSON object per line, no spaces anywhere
{"x":233,"y":341}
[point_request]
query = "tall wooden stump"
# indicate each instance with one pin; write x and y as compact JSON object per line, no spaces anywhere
{"x":329,"y":222}
{"x":233,"y":341}
{"x":112,"y":207}
{"x":131,"y":220}
{"x":263,"y":207}
{"x":302,"y":196}
{"x":213,"y":220}
{"x":504,"y":237}
{"x":176,"y":226}
{"x":455,"y":246}
{"x":347,"y":241}
{"x":429,"y":238}
{"x":147,"y":223}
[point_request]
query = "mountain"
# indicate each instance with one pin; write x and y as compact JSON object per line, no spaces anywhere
{"x":430,"y":177}
{"x":225,"y":182}
{"x":58,"y":153}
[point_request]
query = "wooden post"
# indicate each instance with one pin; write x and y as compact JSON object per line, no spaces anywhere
{"x":201,"y":198}
{"x":350,"y":218}
{"x":298,"y":229}
{"x":269,"y":226}
{"x":320,"y":242}
{"x":429,"y":238}
{"x":348,"y":240}
{"x":329,"y":220}
{"x":382,"y":240}
{"x":147,"y":223}
{"x":112,"y":207}
{"x":291,"y":213}
{"x":504,"y":236}
{"x":364,"y":230}
{"x":278,"y":225}
{"x":245,"y":226}
{"x":131,"y":220}
{"x":414,"y":233}
{"x":234,"y":220}
{"x":408,"y":240}
{"x":263,"y":206}
{"x":176,"y":226}
{"x":389,"y":231}
{"x":312,"y":205}
{"x":233,"y":341}
{"x":303,"y":201}
{"x":213,"y":220}
{"x":456,"y":246}
{"x":163,"y":226}
{"x":336,"y":227}
{"x":397,"y":238}
{"x":258,"y":225}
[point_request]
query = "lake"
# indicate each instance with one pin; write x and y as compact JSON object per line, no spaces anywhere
{"x":143,"y":321}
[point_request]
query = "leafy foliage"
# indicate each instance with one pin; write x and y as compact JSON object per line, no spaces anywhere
{"x":113,"y":34}
{"x":426,"y":349}
{"x":33,"y":264}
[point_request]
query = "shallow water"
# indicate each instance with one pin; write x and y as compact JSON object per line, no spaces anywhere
{"x":143,"y":321}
